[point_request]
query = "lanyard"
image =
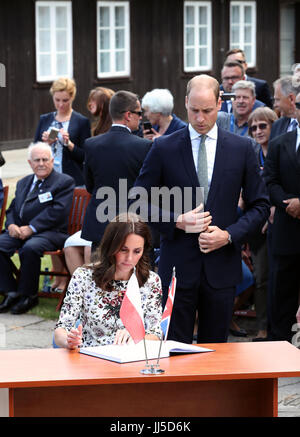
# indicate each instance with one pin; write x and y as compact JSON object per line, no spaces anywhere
{"x":243,"y":133}
{"x":261,"y":158}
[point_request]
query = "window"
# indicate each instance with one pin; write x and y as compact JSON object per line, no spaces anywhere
{"x":113,"y":39}
{"x":243,"y":29}
{"x":197,"y":36}
{"x":54,"y":51}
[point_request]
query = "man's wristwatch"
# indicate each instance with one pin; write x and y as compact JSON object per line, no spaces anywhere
{"x":229,"y":238}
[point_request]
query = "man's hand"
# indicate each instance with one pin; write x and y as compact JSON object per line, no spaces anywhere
{"x":194,"y":221}
{"x":293,"y":207}
{"x":25,"y":232}
{"x":14,"y":231}
{"x":213,"y":238}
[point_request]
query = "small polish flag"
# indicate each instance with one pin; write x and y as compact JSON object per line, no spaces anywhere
{"x":131,"y":312}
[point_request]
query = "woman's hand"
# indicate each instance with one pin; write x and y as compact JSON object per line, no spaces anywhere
{"x":151,"y":135}
{"x":122,"y":337}
{"x":45,"y":138}
{"x":74,"y":338}
{"x":66,"y":140}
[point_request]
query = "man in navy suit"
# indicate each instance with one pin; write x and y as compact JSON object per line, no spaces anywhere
{"x":204,"y":246}
{"x":261,"y":86}
{"x":112,"y":163}
{"x":233,"y":72}
{"x":285,"y":92}
{"x":282,"y":167}
{"x":36,"y":221}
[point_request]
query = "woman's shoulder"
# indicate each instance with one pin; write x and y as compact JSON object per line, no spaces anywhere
{"x":78,"y":115}
{"x":47,"y":116}
{"x":83,"y":271}
{"x":153,"y":279}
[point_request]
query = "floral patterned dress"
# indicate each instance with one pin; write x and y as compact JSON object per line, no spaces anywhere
{"x":99,"y":311}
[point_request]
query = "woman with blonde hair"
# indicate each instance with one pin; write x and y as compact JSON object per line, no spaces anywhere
{"x":73,"y":130}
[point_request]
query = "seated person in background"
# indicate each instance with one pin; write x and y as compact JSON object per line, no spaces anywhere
{"x":158,"y":105}
{"x":96,"y":291}
{"x":36,"y":221}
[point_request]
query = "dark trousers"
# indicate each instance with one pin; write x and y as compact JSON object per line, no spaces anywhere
{"x":30,"y":253}
{"x":285,"y":296}
{"x":215,"y":309}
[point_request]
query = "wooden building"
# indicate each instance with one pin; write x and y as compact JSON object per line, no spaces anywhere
{"x":135,"y":45}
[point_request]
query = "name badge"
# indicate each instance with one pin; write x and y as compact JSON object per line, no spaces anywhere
{"x":45,"y":197}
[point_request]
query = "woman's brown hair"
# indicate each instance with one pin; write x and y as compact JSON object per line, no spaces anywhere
{"x":112,"y":241}
{"x":102,"y":98}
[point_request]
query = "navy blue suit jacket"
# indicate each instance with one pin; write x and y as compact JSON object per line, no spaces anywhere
{"x":282,"y":174}
{"x":49,"y":217}
{"x":262,"y":90}
{"x":170,"y":163}
{"x":79,"y":130}
{"x":117,"y":154}
{"x":279,"y":127}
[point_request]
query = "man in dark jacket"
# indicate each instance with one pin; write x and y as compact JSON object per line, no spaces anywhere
{"x":112,"y":163}
{"x":36,"y":221}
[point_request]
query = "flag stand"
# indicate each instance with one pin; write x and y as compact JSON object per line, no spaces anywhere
{"x":152,"y":369}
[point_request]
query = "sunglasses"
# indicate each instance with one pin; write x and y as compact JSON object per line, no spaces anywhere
{"x":262,"y":126}
{"x":298,"y":105}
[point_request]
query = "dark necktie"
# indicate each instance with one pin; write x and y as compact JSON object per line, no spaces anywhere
{"x":32,"y":193}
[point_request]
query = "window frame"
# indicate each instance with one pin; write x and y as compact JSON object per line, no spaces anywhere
{"x":113,"y":73}
{"x":242,"y":44}
{"x":209,"y":43}
{"x":53,"y":50}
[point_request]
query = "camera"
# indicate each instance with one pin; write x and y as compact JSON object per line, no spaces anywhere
{"x":228,"y":96}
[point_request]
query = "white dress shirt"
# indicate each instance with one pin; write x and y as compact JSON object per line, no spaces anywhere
{"x":210,"y":144}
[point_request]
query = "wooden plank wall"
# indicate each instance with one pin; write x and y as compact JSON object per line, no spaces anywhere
{"x":156,"y":54}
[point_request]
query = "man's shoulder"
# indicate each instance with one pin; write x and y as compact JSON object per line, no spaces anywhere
{"x":61,"y":178}
{"x":283,"y":137}
{"x":257,"y":81}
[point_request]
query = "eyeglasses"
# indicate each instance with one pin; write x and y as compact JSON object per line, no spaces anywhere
{"x":298,"y":105}
{"x":262,"y":126}
{"x":139,"y":113}
{"x":227,"y":78}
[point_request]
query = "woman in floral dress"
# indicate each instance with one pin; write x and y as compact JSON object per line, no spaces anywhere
{"x":96,"y":291}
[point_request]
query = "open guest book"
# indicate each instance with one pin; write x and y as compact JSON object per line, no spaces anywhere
{"x":136,"y":352}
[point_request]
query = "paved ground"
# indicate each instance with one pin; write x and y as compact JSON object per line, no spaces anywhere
{"x":29,"y":331}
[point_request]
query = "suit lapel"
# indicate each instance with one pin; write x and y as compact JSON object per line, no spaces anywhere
{"x":290,"y":146}
{"x":187,"y":157}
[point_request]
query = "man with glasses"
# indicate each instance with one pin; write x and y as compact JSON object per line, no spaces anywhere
{"x":112,"y":163}
{"x":36,"y":221}
{"x":282,"y":168}
{"x":261,"y":86}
